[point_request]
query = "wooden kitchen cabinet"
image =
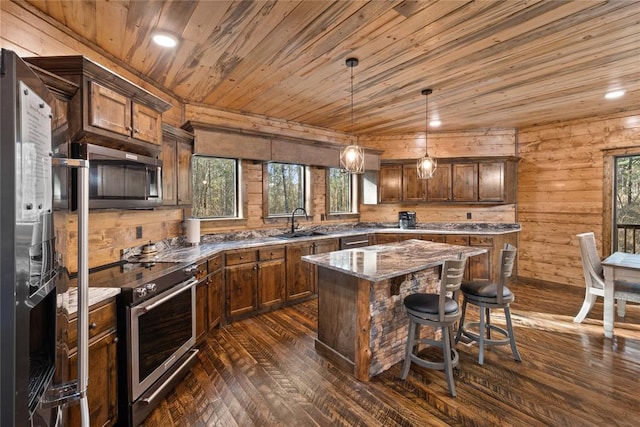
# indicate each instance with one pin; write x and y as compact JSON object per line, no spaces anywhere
{"x":465,"y":182}
{"x":439,"y":187}
{"x":301,"y":276}
{"x":108,"y":109}
{"x":177,"y":147}
{"x":497,"y":181}
{"x":214,"y":292}
{"x":103,"y":368}
{"x":414,"y":189}
{"x":390,"y":183}
{"x":255,"y":280}
{"x":480,"y":267}
{"x":201,"y":301}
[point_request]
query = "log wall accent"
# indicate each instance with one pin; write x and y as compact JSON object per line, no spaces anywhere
{"x":489,"y":143}
{"x":112,"y":231}
{"x":438,"y":212}
{"x":561,"y":192}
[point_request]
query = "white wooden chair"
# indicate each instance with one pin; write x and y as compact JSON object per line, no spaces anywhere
{"x":594,"y":280}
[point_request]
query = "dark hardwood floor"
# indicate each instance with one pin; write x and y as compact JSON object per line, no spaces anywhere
{"x":264,"y":371}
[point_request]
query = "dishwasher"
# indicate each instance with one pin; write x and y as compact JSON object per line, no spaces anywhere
{"x":350,"y":242}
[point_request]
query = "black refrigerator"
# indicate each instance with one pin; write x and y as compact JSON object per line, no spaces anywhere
{"x":28,"y":260}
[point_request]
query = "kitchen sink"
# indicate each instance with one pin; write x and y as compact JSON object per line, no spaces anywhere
{"x":299,"y":234}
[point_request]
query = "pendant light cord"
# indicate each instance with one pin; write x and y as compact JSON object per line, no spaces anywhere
{"x":426,"y":93}
{"x":351,"y":105}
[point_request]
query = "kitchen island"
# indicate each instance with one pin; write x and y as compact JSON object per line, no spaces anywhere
{"x":362,"y":324}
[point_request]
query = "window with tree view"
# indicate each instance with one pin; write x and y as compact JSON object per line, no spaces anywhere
{"x":286,"y":188}
{"x":340,"y":194}
{"x":627,"y":203}
{"x":215,"y":187}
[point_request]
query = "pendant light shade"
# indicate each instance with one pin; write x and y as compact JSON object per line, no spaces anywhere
{"x":352,"y":156}
{"x":426,"y":165}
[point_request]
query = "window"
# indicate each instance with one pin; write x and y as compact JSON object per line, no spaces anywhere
{"x":215,"y":187}
{"x":627,"y":204}
{"x":285,"y":188}
{"x":340,"y":191}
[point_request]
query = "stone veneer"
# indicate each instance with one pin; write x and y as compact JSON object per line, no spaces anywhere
{"x":389,"y":321}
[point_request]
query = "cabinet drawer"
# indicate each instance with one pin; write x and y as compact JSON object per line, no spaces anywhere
{"x":481,"y":240}
{"x":271,"y":253}
{"x":214,"y":263}
{"x":241,"y":257}
{"x":101,"y":319}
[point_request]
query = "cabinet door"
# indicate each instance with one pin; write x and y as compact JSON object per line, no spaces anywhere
{"x":102,"y":391}
{"x":439,"y":187}
{"x":271,"y":283}
{"x":324,"y":246}
{"x":214,"y":299}
{"x":169,"y":175}
{"x":465,"y":182}
{"x":109,"y":110}
{"x":146,"y":124}
{"x":201,"y":309}
{"x":480,"y":267}
{"x":240,"y":289}
{"x":413,"y":188}
{"x":387,"y":238}
{"x":184,"y":150}
{"x":299,"y":278}
{"x":491,"y":182}
{"x":438,"y":238}
{"x":390,"y":183}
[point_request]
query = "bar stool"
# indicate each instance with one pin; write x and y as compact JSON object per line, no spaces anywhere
{"x":438,"y":311}
{"x":486,"y":296}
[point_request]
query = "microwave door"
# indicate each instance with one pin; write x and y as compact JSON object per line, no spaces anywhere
{"x":135,"y":182}
{"x":106,"y":181}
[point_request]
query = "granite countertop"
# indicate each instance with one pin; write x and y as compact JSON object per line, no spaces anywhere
{"x":380,"y":262}
{"x":175,"y":251}
{"x":69,"y":299}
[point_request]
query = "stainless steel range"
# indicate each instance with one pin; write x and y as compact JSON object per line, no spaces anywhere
{"x":157,"y":330}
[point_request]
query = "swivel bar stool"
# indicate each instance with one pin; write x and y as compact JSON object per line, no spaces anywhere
{"x":487,"y":296}
{"x":438,"y":311}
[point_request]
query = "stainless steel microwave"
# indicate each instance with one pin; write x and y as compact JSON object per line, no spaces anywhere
{"x":117,"y":179}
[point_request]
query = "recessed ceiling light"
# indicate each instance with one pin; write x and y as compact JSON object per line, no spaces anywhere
{"x":614,"y":94}
{"x":435,"y":123}
{"x":165,"y":40}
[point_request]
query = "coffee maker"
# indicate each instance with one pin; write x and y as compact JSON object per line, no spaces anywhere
{"x":407,"y":219}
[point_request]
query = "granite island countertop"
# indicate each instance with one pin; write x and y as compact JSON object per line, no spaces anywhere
{"x":380,"y":262}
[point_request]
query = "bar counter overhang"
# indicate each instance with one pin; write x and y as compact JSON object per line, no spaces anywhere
{"x":362,"y":324}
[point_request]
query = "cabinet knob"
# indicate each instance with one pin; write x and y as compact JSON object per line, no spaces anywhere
{"x":115,"y":340}
{"x":93,"y":325}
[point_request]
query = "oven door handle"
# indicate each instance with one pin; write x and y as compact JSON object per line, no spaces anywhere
{"x":151,"y":304}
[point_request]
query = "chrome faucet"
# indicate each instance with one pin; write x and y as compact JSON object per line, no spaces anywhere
{"x":293,"y":219}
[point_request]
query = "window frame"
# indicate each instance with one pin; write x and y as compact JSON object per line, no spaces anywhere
{"x":353,"y":189}
{"x":240,"y":194}
{"x":284,"y":217}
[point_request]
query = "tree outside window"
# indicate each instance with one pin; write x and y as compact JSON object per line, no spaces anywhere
{"x":285,"y":188}
{"x":215,"y":188}
{"x":340,"y":195}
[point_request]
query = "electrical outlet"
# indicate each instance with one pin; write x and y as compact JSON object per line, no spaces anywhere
{"x":468,"y":215}
{"x":139,"y":232}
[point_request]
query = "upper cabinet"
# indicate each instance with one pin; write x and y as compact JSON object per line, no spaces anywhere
{"x":177,"y":148}
{"x":108,"y":109}
{"x":480,"y":180}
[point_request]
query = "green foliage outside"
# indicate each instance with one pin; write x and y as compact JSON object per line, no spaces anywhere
{"x":627,"y":202}
{"x":214,"y":187}
{"x":339,"y":191}
{"x":286,"y":188}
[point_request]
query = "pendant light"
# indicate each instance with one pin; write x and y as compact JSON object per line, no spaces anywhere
{"x":426,"y":165}
{"x":352,"y":156}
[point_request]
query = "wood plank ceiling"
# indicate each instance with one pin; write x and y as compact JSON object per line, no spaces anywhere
{"x":490,"y":63}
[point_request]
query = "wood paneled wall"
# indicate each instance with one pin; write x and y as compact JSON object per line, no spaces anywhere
{"x":561,"y":192}
{"x":112,"y":231}
{"x":491,"y":142}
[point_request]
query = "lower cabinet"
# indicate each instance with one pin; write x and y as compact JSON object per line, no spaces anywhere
{"x":214,"y":292}
{"x":201,"y":301}
{"x":103,"y":369}
{"x":301,"y":276}
{"x":254,"y":279}
{"x":480,"y":266}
